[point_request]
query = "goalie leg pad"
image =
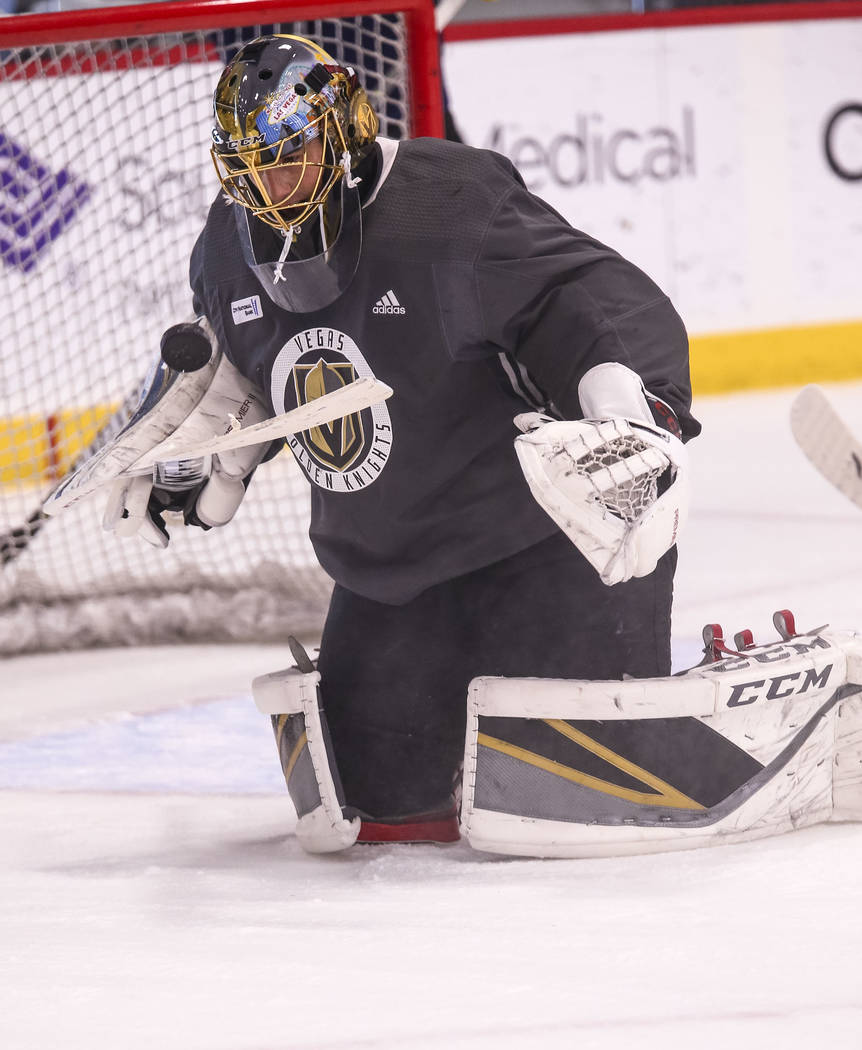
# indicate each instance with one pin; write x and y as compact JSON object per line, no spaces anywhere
{"x":738,"y":749}
{"x":291,"y":697}
{"x":847,"y":773}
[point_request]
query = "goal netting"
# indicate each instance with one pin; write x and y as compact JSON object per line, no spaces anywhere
{"x":105,"y":182}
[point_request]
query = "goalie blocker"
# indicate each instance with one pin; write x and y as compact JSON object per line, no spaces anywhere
{"x":751,"y":742}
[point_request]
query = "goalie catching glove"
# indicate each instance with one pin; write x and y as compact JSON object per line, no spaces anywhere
{"x":614,"y":482}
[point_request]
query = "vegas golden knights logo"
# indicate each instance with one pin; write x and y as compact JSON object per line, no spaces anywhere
{"x":347,"y":454}
{"x":337,"y":444}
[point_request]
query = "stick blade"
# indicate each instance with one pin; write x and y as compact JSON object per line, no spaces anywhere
{"x":827,"y":441}
{"x":353,"y":397}
{"x":122,"y":458}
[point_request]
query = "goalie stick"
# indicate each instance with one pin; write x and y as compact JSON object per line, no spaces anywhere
{"x":17,"y":539}
{"x":827,"y":441}
{"x":125,"y":460}
{"x":184,"y":347}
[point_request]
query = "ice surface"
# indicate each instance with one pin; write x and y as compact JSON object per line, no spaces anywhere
{"x":152,"y":894}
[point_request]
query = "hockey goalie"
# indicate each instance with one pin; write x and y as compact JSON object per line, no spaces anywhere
{"x":499,"y":629}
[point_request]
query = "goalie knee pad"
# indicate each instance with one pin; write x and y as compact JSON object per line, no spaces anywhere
{"x":292,"y":699}
{"x":747,"y":744}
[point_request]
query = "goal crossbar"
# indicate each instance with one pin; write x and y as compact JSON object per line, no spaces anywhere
{"x":104,"y":23}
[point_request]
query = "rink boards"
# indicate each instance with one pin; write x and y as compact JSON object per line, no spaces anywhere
{"x":724,"y":159}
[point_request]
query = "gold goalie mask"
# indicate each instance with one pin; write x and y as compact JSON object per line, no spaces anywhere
{"x":290,"y":124}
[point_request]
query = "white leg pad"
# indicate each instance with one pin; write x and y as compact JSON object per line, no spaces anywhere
{"x":291,"y":698}
{"x":847,"y":781}
{"x":752,"y":745}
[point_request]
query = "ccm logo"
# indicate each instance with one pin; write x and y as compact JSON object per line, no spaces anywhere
{"x":778,"y":688}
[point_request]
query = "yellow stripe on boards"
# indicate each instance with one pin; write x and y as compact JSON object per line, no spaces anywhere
{"x":38,"y":449}
{"x":776,"y":357}
{"x":25,"y":450}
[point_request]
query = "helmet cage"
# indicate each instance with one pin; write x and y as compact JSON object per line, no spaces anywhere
{"x":247,"y":176}
{"x":264,"y":164}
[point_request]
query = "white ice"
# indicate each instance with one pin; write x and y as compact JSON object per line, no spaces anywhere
{"x":152,"y":894}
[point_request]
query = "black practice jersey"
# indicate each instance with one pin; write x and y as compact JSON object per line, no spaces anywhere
{"x":474,"y":300}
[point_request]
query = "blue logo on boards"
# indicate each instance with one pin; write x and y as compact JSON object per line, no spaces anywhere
{"x":36,"y":205}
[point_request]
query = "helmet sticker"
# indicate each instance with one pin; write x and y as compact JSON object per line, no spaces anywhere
{"x":282,"y":106}
{"x":293,"y":124}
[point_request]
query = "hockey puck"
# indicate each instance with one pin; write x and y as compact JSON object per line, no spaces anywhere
{"x":185,"y":348}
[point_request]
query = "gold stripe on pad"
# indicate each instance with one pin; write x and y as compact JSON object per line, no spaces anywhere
{"x":665,"y":796}
{"x":774,"y":357}
{"x":294,"y":755}
{"x":661,"y":787}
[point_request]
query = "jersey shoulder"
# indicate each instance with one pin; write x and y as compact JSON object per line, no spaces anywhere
{"x":441,"y":191}
{"x":454,"y":162}
{"x":216,"y":253}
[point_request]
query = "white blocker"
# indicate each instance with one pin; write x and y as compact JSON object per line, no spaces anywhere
{"x":292,"y":698}
{"x":748,"y":745}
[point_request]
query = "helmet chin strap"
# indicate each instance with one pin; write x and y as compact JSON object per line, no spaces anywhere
{"x":285,"y":249}
{"x":348,"y":176}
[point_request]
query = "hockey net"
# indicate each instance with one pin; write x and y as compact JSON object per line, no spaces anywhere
{"x":105,"y":182}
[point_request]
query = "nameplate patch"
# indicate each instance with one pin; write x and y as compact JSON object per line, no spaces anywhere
{"x":246,"y":309}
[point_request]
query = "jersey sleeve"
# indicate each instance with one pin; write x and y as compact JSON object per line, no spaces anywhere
{"x":560,"y":302}
{"x":214,"y":238}
{"x":196,"y":277}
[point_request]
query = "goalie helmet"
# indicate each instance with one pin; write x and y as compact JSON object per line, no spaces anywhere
{"x":290,"y":125}
{"x":290,"y":122}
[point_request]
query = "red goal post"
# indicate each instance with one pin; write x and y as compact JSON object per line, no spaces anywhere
{"x":105,"y":181}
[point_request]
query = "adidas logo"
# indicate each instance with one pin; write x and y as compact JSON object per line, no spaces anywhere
{"x":388,"y":304}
